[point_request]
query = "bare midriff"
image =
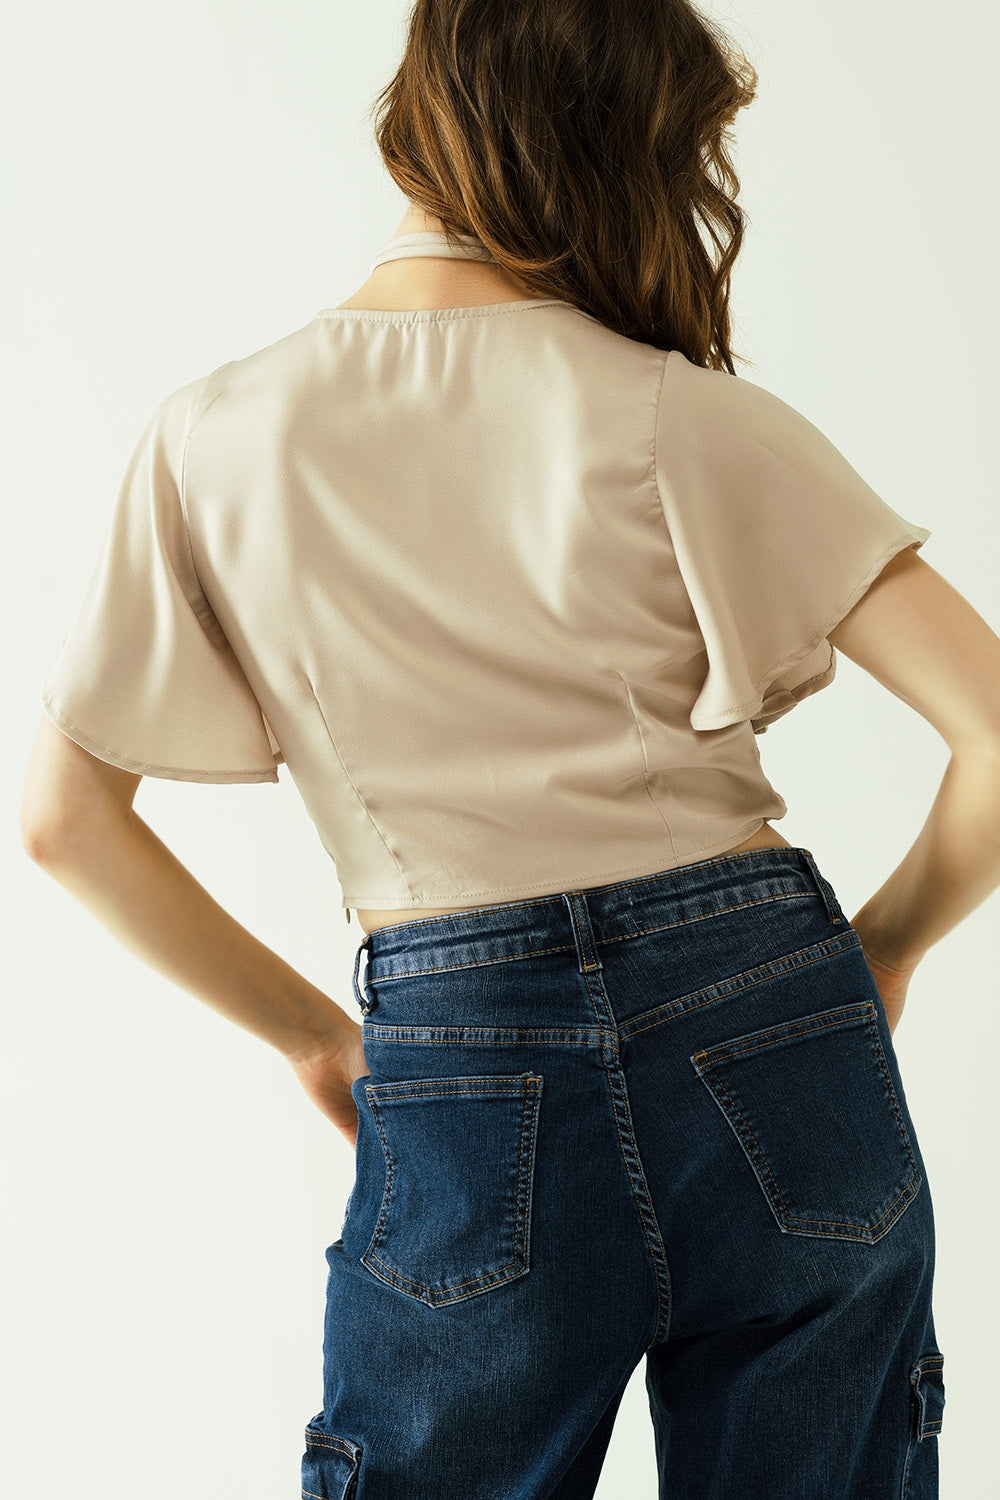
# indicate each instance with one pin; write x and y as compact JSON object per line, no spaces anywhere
{"x":764,"y":838}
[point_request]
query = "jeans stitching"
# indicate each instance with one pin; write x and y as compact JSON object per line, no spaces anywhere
{"x":918,"y":1428}
{"x":905,"y":1194}
{"x":729,"y":1051}
{"x":413,"y":1090}
{"x":704,"y":1062}
{"x":531,"y":1095}
{"x":737,"y":983}
{"x":622,"y":937}
{"x":642,"y":1220}
{"x":505,"y":1036}
{"x":318,"y":1439}
{"x":876,"y":1045}
{"x":389,"y":1172}
{"x":643,"y":1200}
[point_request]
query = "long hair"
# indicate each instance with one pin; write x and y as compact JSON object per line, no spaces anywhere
{"x":581,"y":141}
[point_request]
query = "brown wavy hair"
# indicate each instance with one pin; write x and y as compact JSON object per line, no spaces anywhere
{"x":581,"y":141}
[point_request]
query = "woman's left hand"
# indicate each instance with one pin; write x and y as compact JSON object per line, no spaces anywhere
{"x":891,"y":980}
{"x":326,"y":1072}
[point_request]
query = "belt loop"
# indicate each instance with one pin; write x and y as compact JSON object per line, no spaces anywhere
{"x":366,"y":1003}
{"x":588,"y":958}
{"x":826,"y":891}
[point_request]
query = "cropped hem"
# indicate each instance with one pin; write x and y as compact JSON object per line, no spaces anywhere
{"x":499,"y":894}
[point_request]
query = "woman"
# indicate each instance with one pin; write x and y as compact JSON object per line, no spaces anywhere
{"x":508,"y":567}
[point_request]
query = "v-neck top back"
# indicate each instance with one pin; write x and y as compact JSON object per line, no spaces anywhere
{"x":437,"y":244}
{"x":433,"y":242}
{"x":510,"y":594}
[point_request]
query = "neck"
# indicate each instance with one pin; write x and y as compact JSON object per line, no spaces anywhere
{"x":429,"y":281}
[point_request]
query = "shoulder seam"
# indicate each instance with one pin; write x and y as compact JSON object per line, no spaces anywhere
{"x":194,"y":415}
{"x":204,"y":609}
{"x":656,"y":432}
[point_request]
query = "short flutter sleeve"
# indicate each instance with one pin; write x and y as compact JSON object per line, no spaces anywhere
{"x":146,"y":678}
{"x":775,"y":535}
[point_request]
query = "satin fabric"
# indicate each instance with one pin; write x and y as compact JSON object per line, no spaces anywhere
{"x":510,"y":595}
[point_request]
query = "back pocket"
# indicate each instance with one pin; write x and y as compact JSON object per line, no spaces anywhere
{"x":812,"y":1103}
{"x":455,"y":1217}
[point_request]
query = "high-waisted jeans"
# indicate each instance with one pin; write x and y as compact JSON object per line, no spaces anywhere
{"x":660,"y":1118}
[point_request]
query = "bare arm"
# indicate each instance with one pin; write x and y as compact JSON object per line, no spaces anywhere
{"x":951,"y":868}
{"x":922,"y":640}
{"x":78,"y":824}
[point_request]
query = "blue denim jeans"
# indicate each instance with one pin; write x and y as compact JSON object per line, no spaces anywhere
{"x":660,"y":1118}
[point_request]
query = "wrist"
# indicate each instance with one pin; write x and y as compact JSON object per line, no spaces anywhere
{"x":324,"y":1034}
{"x":880,"y":945}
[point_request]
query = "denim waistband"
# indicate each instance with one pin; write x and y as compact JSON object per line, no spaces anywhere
{"x":586,"y":918}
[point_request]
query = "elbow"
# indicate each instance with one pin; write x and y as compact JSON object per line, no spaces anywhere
{"x":69,"y":797}
{"x":55,"y":833}
{"x":37,"y":846}
{"x":56,"y":845}
{"x":50,"y":822}
{"x":42,"y":837}
{"x":38,"y":826}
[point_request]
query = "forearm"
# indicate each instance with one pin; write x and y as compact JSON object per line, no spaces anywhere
{"x":953,"y":865}
{"x":142,"y":894}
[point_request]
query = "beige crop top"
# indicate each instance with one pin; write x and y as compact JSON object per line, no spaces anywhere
{"x":509,"y":594}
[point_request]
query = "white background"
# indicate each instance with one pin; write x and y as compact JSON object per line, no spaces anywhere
{"x":188,"y":183}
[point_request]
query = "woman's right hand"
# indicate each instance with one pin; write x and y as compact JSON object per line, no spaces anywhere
{"x":891,"y":980}
{"x":328,"y":1069}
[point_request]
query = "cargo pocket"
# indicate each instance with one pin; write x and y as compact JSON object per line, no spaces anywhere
{"x":455,"y":1216}
{"x":329,"y":1466}
{"x":920,"y":1472}
{"x":927,"y":1384}
{"x":812,"y":1103}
